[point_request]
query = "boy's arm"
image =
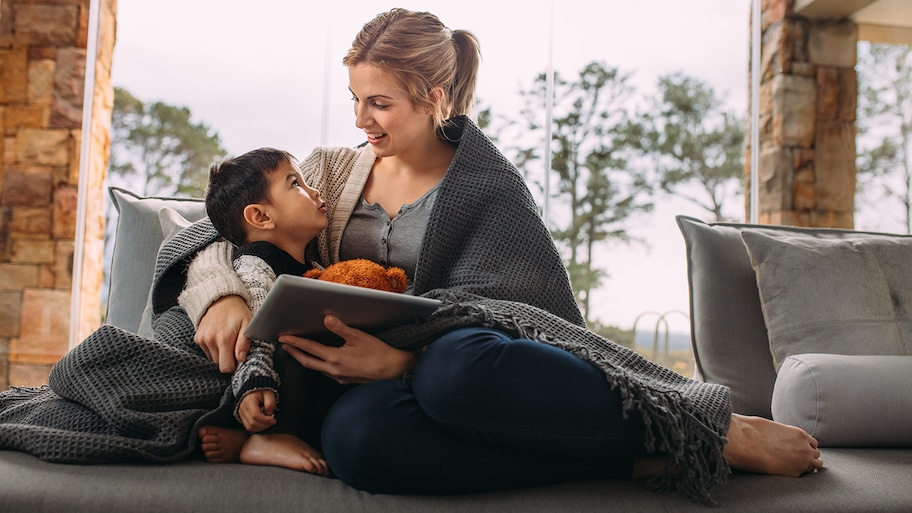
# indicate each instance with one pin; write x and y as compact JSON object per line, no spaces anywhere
{"x":257,"y":372}
{"x":210,"y":277}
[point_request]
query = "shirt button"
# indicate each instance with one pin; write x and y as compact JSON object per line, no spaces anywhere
{"x":383,"y":241}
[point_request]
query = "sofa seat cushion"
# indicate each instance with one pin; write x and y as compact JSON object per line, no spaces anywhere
{"x":847,"y":400}
{"x":851,"y":296}
{"x":853,"y":480}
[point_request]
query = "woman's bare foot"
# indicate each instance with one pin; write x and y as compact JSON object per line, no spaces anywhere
{"x":756,"y":444}
{"x":282,"y":450}
{"x":649,"y":466}
{"x":221,"y":445}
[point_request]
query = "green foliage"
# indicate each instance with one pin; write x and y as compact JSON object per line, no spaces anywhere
{"x":600,"y":154}
{"x":156,"y":150}
{"x":695,"y":142}
{"x":884,"y":163}
{"x":597,"y":187}
{"x":613,"y":333}
{"x":159,"y":149}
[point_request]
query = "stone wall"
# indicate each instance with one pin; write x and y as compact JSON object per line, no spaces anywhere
{"x":43,"y":46}
{"x":808,"y":94}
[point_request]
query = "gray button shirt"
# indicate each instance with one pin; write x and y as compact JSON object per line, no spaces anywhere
{"x":371,"y":234}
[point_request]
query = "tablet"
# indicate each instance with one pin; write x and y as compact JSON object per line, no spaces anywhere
{"x":296,"y":306}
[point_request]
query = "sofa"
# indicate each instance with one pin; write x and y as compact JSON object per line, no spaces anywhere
{"x":856,"y":400}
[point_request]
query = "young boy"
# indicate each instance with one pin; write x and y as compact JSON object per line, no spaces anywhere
{"x":260,"y":203}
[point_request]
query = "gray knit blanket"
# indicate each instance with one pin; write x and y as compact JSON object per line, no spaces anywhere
{"x":120,"y":397}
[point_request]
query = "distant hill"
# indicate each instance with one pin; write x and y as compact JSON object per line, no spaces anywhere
{"x":645,"y":340}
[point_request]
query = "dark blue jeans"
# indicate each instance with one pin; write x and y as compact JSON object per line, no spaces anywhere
{"x":483,"y":412}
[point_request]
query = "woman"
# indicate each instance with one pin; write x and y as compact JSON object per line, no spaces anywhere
{"x":486,"y":406}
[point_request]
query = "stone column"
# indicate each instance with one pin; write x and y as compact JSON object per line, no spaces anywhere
{"x":42,"y":79}
{"x":808,"y":93}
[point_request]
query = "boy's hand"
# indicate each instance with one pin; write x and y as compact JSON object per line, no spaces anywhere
{"x":257,"y":410}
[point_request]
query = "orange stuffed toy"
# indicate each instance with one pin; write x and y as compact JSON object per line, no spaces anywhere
{"x":362,"y":273}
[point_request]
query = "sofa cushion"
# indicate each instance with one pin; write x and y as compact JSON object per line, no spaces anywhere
{"x":854,"y":480}
{"x":730,"y":342}
{"x":137,"y":239}
{"x":847,"y":400}
{"x":851,"y":296}
{"x":727,"y":329}
{"x":171,"y":223}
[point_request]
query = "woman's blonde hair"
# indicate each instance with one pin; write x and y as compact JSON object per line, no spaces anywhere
{"x":418,"y":52}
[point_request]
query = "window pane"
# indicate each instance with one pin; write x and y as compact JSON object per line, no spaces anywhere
{"x":272,"y":76}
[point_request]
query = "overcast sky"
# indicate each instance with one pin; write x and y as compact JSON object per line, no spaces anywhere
{"x":269,"y":74}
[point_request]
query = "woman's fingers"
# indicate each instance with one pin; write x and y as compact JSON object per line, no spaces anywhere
{"x":220,"y":329}
{"x":242,"y":343}
{"x":361,"y":359}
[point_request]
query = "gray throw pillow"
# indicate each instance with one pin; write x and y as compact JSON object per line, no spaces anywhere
{"x":729,"y":336}
{"x":138,"y":237}
{"x":171,"y":223}
{"x":847,"y":400}
{"x":850,"y":297}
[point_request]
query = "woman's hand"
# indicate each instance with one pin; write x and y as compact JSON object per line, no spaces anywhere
{"x":362,"y":359}
{"x":220,"y":333}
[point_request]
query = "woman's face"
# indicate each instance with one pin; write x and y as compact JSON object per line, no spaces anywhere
{"x":392,"y":123}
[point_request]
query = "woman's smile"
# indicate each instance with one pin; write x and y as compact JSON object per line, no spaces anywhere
{"x":375,"y":138}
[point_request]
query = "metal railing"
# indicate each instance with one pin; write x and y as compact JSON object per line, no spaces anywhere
{"x":661,"y":322}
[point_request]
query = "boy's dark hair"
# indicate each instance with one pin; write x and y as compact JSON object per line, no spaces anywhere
{"x":238,"y":182}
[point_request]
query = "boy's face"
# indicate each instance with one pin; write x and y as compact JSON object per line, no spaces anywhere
{"x":297,"y":209}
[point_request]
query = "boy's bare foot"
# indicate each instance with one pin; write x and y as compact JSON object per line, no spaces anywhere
{"x":282,"y":450}
{"x":221,"y":445}
{"x":756,"y":444}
